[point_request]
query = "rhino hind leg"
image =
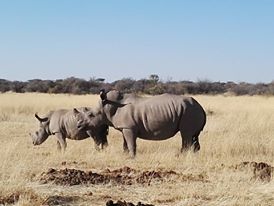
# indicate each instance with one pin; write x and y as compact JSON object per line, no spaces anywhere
{"x":186,"y":142}
{"x":195,"y":143}
{"x":190,"y":142}
{"x":61,"y":142}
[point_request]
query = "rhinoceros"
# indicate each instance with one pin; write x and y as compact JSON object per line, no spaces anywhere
{"x":155,"y":118}
{"x":63,"y":124}
{"x":86,"y":115}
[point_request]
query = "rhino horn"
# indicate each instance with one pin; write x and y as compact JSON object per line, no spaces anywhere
{"x":103,"y":94}
{"x":41,"y":119}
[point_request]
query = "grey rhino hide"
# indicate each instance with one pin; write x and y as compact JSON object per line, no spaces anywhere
{"x":98,"y":120}
{"x":63,"y":124}
{"x":154,"y":118}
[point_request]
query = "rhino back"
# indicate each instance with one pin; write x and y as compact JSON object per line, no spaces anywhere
{"x":56,"y":120}
{"x":131,"y":98}
{"x":64,"y":122}
{"x":155,"y":117}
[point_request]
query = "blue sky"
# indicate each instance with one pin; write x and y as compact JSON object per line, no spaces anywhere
{"x":179,"y":40}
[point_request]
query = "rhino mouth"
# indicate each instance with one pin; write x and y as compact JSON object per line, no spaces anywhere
{"x":81,"y":125}
{"x":36,"y":140}
{"x":104,"y":145}
{"x":99,"y":144}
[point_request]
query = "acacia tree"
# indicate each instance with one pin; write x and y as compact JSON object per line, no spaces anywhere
{"x":154,"y":78}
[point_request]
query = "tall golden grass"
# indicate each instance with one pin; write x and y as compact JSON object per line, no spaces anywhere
{"x":238,"y":129}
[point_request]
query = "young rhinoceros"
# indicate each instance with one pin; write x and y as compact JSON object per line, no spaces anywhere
{"x":63,"y":124}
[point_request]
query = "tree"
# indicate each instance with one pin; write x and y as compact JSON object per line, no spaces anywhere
{"x":154,"y":78}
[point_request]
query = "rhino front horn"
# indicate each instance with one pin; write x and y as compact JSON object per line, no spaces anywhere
{"x":103,"y":94}
{"x":41,"y":119}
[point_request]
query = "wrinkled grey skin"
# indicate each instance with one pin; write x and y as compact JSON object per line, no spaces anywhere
{"x":155,"y":118}
{"x":63,"y":124}
{"x":84,"y":117}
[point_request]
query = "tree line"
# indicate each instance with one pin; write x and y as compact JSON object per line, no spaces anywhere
{"x":151,"y":85}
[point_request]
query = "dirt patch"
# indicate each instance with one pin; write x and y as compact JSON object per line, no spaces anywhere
{"x":124,"y":203}
{"x":73,"y":163}
{"x":72,"y":177}
{"x":59,"y":200}
{"x":261,"y":171}
{"x":122,"y":176}
{"x":10,"y":199}
{"x":15,"y":197}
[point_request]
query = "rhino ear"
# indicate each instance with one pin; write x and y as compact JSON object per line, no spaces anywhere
{"x":86,"y":109}
{"x":90,"y":114}
{"x":103,"y":95}
{"x":75,"y":111}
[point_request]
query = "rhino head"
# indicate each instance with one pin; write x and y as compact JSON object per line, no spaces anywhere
{"x":99,"y":136}
{"x":110,"y":102}
{"x":39,"y":136}
{"x":84,"y":120}
{"x":87,"y":120}
{"x":113,"y":97}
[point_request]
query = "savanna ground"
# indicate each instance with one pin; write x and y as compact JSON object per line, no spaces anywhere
{"x":238,"y":129}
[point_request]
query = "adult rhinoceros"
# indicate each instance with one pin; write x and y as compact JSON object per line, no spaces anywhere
{"x":63,"y":124}
{"x":154,"y":118}
{"x":84,"y":117}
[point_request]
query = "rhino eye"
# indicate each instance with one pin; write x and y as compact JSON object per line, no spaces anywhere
{"x":80,"y":123}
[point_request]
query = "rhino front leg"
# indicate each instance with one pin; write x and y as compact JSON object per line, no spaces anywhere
{"x":62,"y":144}
{"x":125,"y":147}
{"x":130,"y":139}
{"x":59,"y":146}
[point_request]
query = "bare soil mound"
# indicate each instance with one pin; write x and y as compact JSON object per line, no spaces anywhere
{"x":14,"y":197}
{"x":261,"y":171}
{"x":9,"y":199}
{"x":124,"y":203}
{"x":59,"y":200}
{"x":122,"y":176}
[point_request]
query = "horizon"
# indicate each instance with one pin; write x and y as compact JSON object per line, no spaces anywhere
{"x":134,"y":79}
{"x":177,"y":40}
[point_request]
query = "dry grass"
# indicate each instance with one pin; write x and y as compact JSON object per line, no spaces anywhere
{"x":238,"y":129}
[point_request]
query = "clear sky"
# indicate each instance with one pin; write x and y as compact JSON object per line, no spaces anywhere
{"x":113,"y":39}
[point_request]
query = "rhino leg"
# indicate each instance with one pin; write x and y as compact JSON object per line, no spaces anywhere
{"x":125,"y":147}
{"x":186,"y":141}
{"x":62,"y":141}
{"x":196,"y":144}
{"x":58,"y":146}
{"x":130,"y":138}
{"x":190,"y":142}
